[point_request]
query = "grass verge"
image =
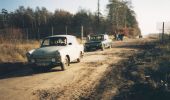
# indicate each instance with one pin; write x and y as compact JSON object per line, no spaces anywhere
{"x":149,"y":74}
{"x":15,"y":52}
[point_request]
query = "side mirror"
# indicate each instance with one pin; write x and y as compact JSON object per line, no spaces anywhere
{"x":70,"y":44}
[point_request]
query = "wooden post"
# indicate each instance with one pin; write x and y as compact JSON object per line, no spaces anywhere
{"x":82,"y":33}
{"x":27,"y":34}
{"x":66,"y":30}
{"x":163,"y":32}
{"x":38,"y":33}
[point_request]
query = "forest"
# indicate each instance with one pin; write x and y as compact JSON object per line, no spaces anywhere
{"x":28,"y":23}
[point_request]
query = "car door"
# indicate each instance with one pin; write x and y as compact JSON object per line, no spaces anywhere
{"x":73,"y":50}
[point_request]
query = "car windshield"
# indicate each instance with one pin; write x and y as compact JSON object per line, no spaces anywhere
{"x":96,"y":38}
{"x":54,"y":41}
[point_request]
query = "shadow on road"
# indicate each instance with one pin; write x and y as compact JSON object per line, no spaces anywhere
{"x":113,"y":79}
{"x":19,"y":69}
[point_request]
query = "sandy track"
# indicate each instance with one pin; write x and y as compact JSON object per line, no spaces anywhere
{"x":77,"y":82}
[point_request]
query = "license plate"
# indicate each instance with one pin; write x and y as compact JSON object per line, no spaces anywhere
{"x":42,"y":64}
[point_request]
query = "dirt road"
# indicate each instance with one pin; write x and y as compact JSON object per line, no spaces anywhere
{"x":85,"y":80}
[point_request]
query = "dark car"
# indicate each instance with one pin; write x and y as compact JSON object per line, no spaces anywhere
{"x":98,"y":41}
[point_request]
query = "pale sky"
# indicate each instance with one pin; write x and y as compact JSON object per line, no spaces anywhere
{"x":148,"y":12}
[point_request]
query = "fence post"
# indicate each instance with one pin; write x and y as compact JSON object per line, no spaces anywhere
{"x":163,"y":30}
{"x":66,"y":30}
{"x":38,"y":33}
{"x":52,"y":30}
{"x":27,"y":33}
{"x":82,"y":33}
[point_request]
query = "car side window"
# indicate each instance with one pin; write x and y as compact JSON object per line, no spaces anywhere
{"x":46,"y":42}
{"x":54,"y":41}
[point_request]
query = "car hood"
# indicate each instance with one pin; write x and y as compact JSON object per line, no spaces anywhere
{"x":47,"y":51}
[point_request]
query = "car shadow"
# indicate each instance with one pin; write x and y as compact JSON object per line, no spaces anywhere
{"x":20,"y":69}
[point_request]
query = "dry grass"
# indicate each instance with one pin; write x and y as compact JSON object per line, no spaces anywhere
{"x":13,"y":45}
{"x":15,"y":52}
{"x":150,"y":73}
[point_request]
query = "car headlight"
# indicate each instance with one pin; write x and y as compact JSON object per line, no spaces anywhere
{"x":86,"y":45}
{"x":58,"y":56}
{"x":53,"y":60}
{"x":99,"y":44}
{"x":57,"y":53}
{"x":28,"y":55}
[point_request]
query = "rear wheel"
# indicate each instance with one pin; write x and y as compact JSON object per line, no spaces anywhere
{"x":80,"y":56}
{"x":103,"y":47}
{"x":78,"y":60}
{"x":65,"y":64}
{"x":110,"y":46}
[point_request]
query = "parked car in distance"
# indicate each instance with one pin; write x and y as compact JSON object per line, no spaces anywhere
{"x":98,"y":41}
{"x":55,"y":50}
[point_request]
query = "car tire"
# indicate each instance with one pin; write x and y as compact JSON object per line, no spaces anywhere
{"x":86,"y":50}
{"x":103,"y":47}
{"x":78,"y":60}
{"x":80,"y":56}
{"x":110,"y":46}
{"x":65,"y":64}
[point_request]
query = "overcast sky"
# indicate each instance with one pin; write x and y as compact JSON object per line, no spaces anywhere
{"x":148,"y":12}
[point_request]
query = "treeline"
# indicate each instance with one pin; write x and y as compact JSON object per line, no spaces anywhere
{"x":122,"y":16}
{"x":38,"y":23}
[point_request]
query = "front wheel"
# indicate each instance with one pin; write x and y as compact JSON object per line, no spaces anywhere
{"x":110,"y":46}
{"x":81,"y":54}
{"x":103,"y":47}
{"x":65,"y":64}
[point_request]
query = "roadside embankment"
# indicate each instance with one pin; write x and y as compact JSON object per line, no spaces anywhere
{"x":148,"y":73}
{"x":12,"y":55}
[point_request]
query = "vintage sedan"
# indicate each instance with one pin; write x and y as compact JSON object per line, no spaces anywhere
{"x":98,"y":41}
{"x":55,"y":50}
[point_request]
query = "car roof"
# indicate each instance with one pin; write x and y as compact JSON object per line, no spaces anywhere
{"x":70,"y":38}
{"x":97,"y":34}
{"x":67,"y":36}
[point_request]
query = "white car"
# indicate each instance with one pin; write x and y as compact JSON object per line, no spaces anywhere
{"x":56,"y":50}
